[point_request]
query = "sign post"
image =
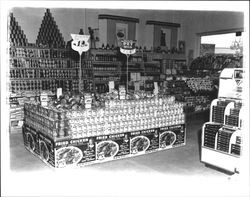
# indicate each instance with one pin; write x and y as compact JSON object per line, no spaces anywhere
{"x":128,"y":48}
{"x":80,"y":44}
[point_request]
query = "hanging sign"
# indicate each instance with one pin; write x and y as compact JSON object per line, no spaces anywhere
{"x":128,"y":47}
{"x":80,"y":43}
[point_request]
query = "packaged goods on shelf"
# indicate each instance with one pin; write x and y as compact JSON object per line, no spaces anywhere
{"x":216,"y":62}
{"x":200,"y":84}
{"x":115,"y":129}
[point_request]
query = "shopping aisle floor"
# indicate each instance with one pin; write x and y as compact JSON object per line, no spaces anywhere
{"x":178,"y":163}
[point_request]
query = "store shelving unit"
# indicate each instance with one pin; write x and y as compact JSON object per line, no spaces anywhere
{"x":105,"y":67}
{"x":38,"y":69}
{"x":222,"y":137}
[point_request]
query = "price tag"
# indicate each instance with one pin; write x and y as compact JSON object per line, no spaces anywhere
{"x":156,"y":89}
{"x":80,"y":43}
{"x":59,"y":92}
{"x":137,"y":86}
{"x":128,"y":47}
{"x":111,"y":85}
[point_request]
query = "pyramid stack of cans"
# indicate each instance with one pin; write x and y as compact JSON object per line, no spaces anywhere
{"x":49,"y":33}
{"x":17,"y":36}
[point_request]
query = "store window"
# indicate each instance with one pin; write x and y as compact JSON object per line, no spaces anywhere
{"x":230,"y":43}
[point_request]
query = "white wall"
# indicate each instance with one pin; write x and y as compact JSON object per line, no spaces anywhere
{"x":70,"y":20}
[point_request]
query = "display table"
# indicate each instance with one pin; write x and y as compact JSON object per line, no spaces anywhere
{"x":121,"y":129}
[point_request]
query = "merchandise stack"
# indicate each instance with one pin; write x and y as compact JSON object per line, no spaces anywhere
{"x":49,"y":34}
{"x":80,"y":130}
{"x":16,"y":34}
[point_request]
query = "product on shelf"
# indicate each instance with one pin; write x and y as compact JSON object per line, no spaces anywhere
{"x":216,"y":62}
{"x":200,"y":84}
{"x":39,"y":69}
{"x":16,"y":102}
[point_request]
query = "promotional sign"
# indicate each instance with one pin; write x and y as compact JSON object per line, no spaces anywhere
{"x":111,"y":86}
{"x":97,"y":149}
{"x":88,"y":101}
{"x":58,"y":92}
{"x":171,"y":136}
{"x":75,"y":152}
{"x":144,"y":141}
{"x":80,"y":43}
{"x":44,"y":99}
{"x":128,"y":47}
{"x":114,"y":146}
{"x":156,"y":89}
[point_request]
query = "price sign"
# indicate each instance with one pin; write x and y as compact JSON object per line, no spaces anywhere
{"x":80,"y":43}
{"x":128,"y":47}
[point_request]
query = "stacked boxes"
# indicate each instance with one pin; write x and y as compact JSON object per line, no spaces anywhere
{"x":218,"y":111}
{"x":232,"y":118}
{"x":210,"y":130}
{"x":16,"y":34}
{"x":49,"y":34}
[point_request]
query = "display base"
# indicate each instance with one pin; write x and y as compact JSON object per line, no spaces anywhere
{"x":220,"y":160}
{"x":98,"y":149}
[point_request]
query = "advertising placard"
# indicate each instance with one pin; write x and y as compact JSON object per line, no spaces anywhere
{"x":114,"y":146}
{"x":80,"y":43}
{"x":144,"y":141}
{"x":128,"y":47}
{"x":171,"y":136}
{"x":75,"y":152}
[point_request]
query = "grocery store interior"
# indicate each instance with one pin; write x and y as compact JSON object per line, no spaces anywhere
{"x":126,"y":102}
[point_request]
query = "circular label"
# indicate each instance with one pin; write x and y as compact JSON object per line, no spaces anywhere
{"x":106,"y":149}
{"x":68,"y":156}
{"x":167,"y":138}
{"x":139,"y":144}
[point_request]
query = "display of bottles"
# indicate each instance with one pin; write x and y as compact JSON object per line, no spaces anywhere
{"x":106,"y":57}
{"x":152,"y":68}
{"x":101,"y":68}
{"x":107,"y":78}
